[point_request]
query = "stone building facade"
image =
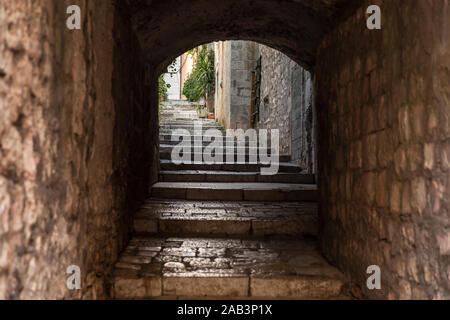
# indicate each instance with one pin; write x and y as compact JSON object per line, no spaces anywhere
{"x":173,"y":78}
{"x":79,"y":132}
{"x":235,"y":60}
{"x":286,"y":93}
{"x":287,"y":105}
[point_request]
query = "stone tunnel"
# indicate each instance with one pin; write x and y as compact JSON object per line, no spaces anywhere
{"x":79,"y":146}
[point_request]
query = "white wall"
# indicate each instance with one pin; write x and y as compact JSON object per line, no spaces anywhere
{"x":173,"y":77}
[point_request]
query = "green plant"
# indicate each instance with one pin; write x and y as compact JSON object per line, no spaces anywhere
{"x":201,"y":82}
{"x":163,"y":88}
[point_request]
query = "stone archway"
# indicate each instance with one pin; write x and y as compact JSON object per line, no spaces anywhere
{"x":78,"y":138}
{"x":293,"y":27}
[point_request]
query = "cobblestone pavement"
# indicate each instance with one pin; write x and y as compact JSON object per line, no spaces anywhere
{"x":152,"y":267}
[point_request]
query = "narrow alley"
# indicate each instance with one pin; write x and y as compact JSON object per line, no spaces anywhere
{"x":230,"y":233}
{"x":108,"y":192}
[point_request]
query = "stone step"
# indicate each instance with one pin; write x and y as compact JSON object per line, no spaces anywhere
{"x":249,"y":191}
{"x":188,"y":126}
{"x":168,"y":136}
{"x":172,"y":102}
{"x":165,"y":126}
{"x":179,"y":110}
{"x":167,"y":155}
{"x":226,"y":176}
{"x":191,"y":124}
{"x":237,"y":149}
{"x":246,"y":219}
{"x":172,"y":268}
{"x":168,"y":165}
{"x":167,"y":140}
{"x":188,"y":113}
{"x":177,"y":117}
{"x":169,"y":131}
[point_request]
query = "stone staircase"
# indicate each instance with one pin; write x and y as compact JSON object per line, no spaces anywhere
{"x":225,"y":230}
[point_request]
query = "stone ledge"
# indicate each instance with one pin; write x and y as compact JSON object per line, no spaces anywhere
{"x":218,"y":267}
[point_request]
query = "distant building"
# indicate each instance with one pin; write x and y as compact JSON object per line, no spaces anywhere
{"x":177,"y":74}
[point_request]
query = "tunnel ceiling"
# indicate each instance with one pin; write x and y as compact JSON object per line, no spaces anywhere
{"x":167,"y":28}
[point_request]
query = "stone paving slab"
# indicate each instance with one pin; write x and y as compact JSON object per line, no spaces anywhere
{"x":190,"y":127}
{"x":232,"y":191}
{"x":245,"y":150}
{"x":226,"y":176}
{"x":195,"y":137}
{"x":168,"y":136}
{"x":166,"y":154}
{"x":205,"y":143}
{"x":168,"y":165}
{"x":227,"y":219}
{"x":217,"y":267}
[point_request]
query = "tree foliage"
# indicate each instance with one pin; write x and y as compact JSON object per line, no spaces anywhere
{"x":202,"y":79}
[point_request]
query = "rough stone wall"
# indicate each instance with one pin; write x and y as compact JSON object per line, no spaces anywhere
{"x":302,"y":119}
{"x":384,"y":131}
{"x":287,"y":105}
{"x":64,"y":156}
{"x":275,"y":107}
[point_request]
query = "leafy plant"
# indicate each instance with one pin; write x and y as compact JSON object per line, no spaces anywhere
{"x":163,"y":88}
{"x":201,"y":82}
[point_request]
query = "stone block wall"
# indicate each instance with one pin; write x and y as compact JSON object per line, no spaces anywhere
{"x":383,"y":101}
{"x":73,"y":158}
{"x":303,"y":119}
{"x":276,"y":107}
{"x":287,"y":105}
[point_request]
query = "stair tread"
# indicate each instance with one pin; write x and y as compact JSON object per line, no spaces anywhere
{"x":171,"y":146}
{"x":217,"y":172}
{"x":241,"y":211}
{"x":236,"y":185}
{"x":251,"y":219}
{"x":284,"y":164}
{"x":243,"y":239}
{"x":179,"y":266}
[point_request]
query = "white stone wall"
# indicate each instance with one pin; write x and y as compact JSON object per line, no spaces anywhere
{"x":173,"y":77}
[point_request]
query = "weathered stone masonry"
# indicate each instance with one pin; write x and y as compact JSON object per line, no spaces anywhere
{"x":78,"y":131}
{"x":287,"y":105}
{"x":384,"y":117}
{"x":73,"y":111}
